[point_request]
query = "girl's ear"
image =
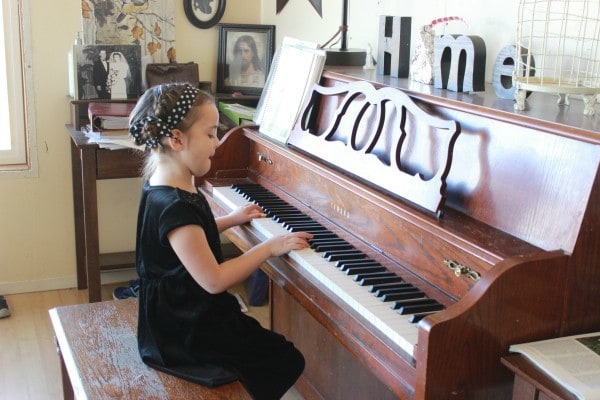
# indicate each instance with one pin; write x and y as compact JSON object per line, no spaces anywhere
{"x":175,"y":140}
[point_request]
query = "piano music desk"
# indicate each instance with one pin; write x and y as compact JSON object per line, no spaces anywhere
{"x":531,"y":383}
{"x":97,"y":344}
{"x":90,"y":163}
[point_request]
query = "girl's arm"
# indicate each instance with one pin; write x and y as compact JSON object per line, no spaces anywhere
{"x":190,"y":244}
{"x":239,"y":216}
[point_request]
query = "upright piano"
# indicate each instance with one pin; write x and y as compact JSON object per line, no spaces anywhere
{"x":447,"y":227}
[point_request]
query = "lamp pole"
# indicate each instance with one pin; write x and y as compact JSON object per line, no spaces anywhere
{"x":344,"y":45}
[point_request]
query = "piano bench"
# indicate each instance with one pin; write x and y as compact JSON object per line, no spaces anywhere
{"x":99,"y":357}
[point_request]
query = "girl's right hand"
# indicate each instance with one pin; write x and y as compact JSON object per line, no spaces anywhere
{"x":283,"y":244}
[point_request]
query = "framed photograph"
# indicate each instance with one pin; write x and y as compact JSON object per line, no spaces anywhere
{"x":107,"y":72}
{"x":204,"y":13}
{"x":245,"y":56}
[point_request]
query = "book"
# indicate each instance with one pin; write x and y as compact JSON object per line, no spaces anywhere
{"x":296,"y":67}
{"x":105,"y":116}
{"x":238,"y":113}
{"x":573,"y":361}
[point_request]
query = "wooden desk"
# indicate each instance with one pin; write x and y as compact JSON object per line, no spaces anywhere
{"x":97,"y":344}
{"x":531,"y":383}
{"x":89,"y":164}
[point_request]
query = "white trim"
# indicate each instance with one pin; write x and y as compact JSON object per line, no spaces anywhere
{"x":23,"y":157}
{"x":65,"y":282}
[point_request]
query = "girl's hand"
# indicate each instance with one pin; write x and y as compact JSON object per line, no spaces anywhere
{"x":245,"y":214}
{"x":283,"y":244}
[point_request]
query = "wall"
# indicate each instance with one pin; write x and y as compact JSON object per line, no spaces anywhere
{"x":36,"y":222}
{"x":37,"y":249}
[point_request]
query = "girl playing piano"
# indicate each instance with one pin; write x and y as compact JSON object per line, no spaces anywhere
{"x":188,"y":324}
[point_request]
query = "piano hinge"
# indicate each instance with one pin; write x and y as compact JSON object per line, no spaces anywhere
{"x":462,"y":270}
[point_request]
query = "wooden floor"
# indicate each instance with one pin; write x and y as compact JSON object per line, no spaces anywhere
{"x":29,"y":364}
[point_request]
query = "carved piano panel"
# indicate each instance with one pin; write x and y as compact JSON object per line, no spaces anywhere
{"x":505,"y":176}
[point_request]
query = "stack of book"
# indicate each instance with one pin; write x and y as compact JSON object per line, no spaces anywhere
{"x":109,"y":124}
{"x":109,"y":118}
{"x":238,"y":113}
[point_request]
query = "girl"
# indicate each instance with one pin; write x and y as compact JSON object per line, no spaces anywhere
{"x":188,"y":324}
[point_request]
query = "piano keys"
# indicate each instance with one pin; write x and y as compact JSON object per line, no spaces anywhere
{"x":506,"y":243}
{"x":393,"y":313}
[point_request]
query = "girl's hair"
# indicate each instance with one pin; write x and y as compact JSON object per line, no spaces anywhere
{"x":158,"y":103}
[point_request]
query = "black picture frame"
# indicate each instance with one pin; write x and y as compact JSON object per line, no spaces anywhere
{"x":235,"y":41}
{"x":202,"y":14}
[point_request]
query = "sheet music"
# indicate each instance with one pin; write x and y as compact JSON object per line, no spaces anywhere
{"x":573,"y":361}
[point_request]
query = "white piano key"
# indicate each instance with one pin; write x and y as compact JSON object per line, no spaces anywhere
{"x":396,"y":327}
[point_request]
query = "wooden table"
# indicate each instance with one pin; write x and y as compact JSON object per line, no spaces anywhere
{"x":89,"y":164}
{"x":97,"y":344}
{"x":531,"y":383}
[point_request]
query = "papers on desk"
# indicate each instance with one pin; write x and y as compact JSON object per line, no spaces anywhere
{"x":114,"y":141}
{"x":573,"y":361}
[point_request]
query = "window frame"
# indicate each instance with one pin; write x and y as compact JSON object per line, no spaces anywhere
{"x":17,"y":41}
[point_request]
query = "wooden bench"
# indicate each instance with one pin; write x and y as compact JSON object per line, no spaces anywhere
{"x":97,"y":344}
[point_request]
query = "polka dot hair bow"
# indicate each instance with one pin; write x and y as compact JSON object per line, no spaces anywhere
{"x":182,"y":107}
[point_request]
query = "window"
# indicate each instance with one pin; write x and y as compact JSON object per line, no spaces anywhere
{"x":16,"y":116}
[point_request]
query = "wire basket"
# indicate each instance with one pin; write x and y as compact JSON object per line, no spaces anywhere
{"x":558,"y":50}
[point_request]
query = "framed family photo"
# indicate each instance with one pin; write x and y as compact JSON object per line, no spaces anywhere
{"x":244,"y":58}
{"x":107,"y":72}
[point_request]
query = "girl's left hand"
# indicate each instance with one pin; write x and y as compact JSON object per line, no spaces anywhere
{"x":246,"y":214}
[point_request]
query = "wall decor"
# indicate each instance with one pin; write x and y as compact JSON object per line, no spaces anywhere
{"x":107,"y":71}
{"x":421,"y":65}
{"x":459,"y":63}
{"x":244,"y":57}
{"x":393,"y":54}
{"x":563,"y":38}
{"x":204,"y":14}
{"x":315,"y":3}
{"x":148,"y":23}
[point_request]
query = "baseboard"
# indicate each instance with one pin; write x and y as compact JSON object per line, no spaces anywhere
{"x":64,"y":282}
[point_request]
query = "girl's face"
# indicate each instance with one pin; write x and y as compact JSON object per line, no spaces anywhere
{"x":200,"y":140}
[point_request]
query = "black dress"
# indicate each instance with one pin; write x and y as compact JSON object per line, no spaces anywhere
{"x":186,"y":331}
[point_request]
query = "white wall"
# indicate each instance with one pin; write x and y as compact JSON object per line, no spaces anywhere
{"x":495,"y":22}
{"x":37,"y":249}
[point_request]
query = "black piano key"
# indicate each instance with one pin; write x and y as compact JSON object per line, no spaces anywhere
{"x":379,"y":274}
{"x":295,"y":217}
{"x":419,"y":308}
{"x":347,"y":255}
{"x":303,"y":225}
{"x":409,"y":294}
{"x":362,"y":261}
{"x":375,"y":288}
{"x":309,"y":229}
{"x":324,"y":235}
{"x":360,"y":270}
{"x":394,"y":288}
{"x":320,"y":248}
{"x":326,"y":241}
{"x":412,"y":302}
{"x":413,"y":319}
{"x":374,"y":280}
{"x":366,"y":263}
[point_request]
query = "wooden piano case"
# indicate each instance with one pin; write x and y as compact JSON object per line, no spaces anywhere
{"x":519,"y":210}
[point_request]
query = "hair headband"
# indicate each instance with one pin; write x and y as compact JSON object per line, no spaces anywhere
{"x":182,"y":107}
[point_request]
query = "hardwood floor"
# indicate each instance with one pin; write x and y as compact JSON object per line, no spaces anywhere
{"x":29,"y":364}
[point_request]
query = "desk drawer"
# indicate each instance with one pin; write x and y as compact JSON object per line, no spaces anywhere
{"x":125,"y":163}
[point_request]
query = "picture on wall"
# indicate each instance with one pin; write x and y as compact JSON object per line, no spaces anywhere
{"x":148,"y":23}
{"x":107,"y":72}
{"x":244,"y":58}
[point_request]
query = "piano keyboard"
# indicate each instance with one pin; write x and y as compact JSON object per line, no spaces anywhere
{"x":383,"y":298}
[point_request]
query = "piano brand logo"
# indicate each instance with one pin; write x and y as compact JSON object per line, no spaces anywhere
{"x":339,"y":210}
